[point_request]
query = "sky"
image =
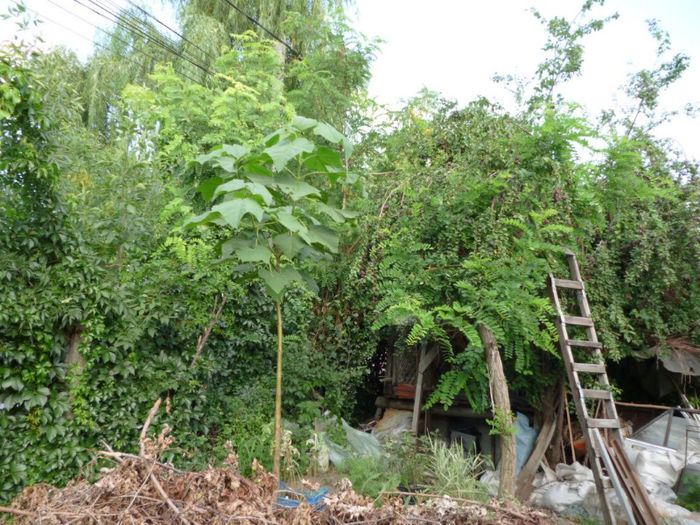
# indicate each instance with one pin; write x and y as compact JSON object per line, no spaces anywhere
{"x":455,"y":47}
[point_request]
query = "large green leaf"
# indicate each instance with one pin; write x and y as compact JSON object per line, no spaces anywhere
{"x":203,"y":159}
{"x":310,"y":282}
{"x":290,"y":244}
{"x":235,"y":150}
{"x":328,"y":132}
{"x":283,"y":152}
{"x":227,"y":164}
{"x":207,"y":187}
{"x":257,"y":167}
{"x":290,"y":222}
{"x":258,"y":253}
{"x":334,"y":213}
{"x":259,"y":189}
{"x":350,"y":214}
{"x":234,"y":210}
{"x":318,"y":234}
{"x":227,"y":247}
{"x":264,"y":180}
{"x":253,"y":187}
{"x":303,"y":123}
{"x":296,"y":189}
{"x":277,"y":281}
{"x":203,"y":218}
{"x":324,"y":160}
{"x":232,"y":185}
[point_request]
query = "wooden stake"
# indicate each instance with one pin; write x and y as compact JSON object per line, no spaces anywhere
{"x":278,"y":396}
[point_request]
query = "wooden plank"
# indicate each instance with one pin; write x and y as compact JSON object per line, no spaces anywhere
{"x":584,"y":344}
{"x":589,"y":368}
{"x":578,"y":321}
{"x":644,"y":511}
{"x":602,"y":452}
{"x":595,"y":394}
{"x":568,"y":283}
{"x":602,"y":423}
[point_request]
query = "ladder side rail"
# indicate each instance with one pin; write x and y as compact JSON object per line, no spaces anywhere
{"x":581,"y":298}
{"x":614,"y":479}
{"x":579,"y":402}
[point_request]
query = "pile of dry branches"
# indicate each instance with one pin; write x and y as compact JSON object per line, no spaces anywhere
{"x":140,"y":489}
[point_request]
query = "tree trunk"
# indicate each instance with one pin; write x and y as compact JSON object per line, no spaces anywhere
{"x":278,"y":396}
{"x":500,"y":402}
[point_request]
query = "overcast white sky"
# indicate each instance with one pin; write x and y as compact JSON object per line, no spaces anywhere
{"x":456,"y":46}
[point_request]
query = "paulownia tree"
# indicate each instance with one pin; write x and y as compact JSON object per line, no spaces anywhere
{"x":277,"y":204}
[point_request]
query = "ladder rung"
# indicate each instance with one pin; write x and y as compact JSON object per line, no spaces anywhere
{"x":591,"y":368}
{"x":603,"y":423}
{"x":595,"y":394}
{"x":584,"y":344}
{"x":568,"y":283}
{"x":580,"y":321}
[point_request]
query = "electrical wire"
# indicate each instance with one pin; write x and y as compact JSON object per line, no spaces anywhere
{"x":119,"y":12}
{"x":140,"y":32}
{"x":169,"y":28}
{"x":92,"y":41}
{"x":273,"y":35}
{"x":147,"y":33}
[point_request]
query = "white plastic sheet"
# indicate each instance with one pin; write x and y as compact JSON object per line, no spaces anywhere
{"x":361,"y":444}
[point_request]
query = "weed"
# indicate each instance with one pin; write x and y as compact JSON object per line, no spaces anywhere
{"x":370,"y":476}
{"x":452,"y":472}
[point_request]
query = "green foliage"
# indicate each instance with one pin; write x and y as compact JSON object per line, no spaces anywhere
{"x":104,"y":293}
{"x":503,"y":423}
{"x":427,"y":465}
{"x":369,"y":476}
{"x":183,"y":120}
{"x":269,"y":204}
{"x":453,"y":472}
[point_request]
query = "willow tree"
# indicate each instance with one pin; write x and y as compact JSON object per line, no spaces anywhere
{"x":218,"y":19}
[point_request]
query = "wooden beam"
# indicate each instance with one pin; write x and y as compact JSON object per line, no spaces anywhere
{"x":402,"y":404}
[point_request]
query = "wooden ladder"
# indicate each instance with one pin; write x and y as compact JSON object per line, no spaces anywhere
{"x":606,"y":453}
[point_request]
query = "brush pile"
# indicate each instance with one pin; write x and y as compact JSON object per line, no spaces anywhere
{"x":140,"y":489}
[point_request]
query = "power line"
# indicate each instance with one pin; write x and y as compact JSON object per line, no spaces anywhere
{"x":273,"y":35}
{"x":124,"y":17}
{"x":92,"y":41}
{"x":146,"y":33}
{"x":138,"y":31}
{"x":119,"y":12}
{"x":169,"y":28}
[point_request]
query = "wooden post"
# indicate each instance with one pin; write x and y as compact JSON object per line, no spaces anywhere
{"x":423,"y":364}
{"x":419,"y":392}
{"x":500,"y":401}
